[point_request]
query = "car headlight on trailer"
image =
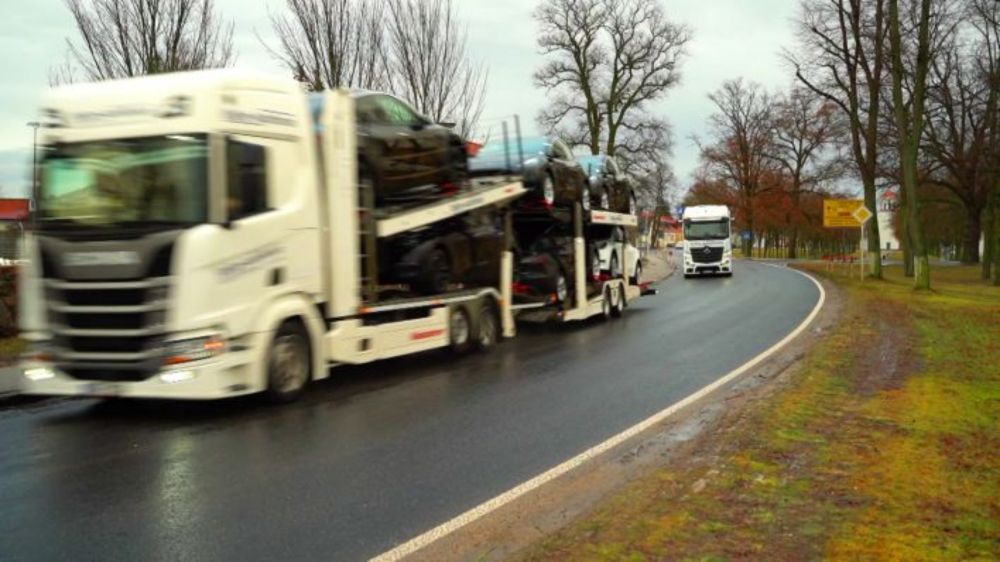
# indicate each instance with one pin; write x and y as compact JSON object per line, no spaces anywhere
{"x":194,"y":349}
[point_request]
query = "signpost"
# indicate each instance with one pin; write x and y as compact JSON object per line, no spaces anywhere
{"x":848,"y":213}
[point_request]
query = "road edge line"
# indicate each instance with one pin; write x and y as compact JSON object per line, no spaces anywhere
{"x":429,"y":537}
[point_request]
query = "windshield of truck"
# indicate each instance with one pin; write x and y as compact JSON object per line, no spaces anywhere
{"x":154,"y":181}
{"x":706,"y":230}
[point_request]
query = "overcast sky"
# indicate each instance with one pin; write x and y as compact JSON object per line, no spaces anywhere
{"x":732,"y":38}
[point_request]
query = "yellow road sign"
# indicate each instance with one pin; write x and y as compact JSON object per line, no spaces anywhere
{"x":844,"y":213}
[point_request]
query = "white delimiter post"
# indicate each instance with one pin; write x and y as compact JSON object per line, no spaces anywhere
{"x":340,"y":165}
{"x":863,"y":251}
{"x":579,"y":259}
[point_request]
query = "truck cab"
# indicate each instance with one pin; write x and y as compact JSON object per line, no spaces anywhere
{"x":175,"y":216}
{"x":708,"y":247}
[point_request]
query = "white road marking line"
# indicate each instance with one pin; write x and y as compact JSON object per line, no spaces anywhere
{"x":445,"y":529}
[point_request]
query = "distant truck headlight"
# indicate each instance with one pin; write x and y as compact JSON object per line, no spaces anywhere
{"x":194,"y":349}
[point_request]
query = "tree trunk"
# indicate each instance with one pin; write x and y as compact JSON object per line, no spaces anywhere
{"x":872,"y":233}
{"x":972,"y":236}
{"x":996,"y":232}
{"x":989,"y":239}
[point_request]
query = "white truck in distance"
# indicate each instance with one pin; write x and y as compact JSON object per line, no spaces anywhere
{"x":708,"y":247}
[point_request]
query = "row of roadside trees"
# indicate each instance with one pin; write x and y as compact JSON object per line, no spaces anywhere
{"x":890,"y":94}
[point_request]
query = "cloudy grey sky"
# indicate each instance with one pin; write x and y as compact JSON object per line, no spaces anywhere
{"x":732,"y":38}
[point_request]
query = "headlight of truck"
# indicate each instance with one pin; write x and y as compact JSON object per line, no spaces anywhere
{"x":194,"y":349}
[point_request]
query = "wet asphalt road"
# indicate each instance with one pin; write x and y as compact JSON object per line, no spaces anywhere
{"x":378,"y":454}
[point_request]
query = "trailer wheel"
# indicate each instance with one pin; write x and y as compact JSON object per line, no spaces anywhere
{"x":618,"y":303}
{"x":288,"y":362}
{"x":606,"y":305}
{"x":488,"y":332}
{"x":459,"y":329}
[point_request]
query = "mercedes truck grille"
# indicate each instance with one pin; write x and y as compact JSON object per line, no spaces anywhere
{"x":706,"y":255}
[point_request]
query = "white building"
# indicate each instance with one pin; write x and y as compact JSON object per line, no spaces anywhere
{"x":887,"y":205}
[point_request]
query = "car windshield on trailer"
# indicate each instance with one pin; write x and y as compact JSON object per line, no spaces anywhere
{"x":706,"y":230}
{"x":498,"y":155}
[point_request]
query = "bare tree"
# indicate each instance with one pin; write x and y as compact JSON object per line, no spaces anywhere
{"x":738,"y":156}
{"x":843,"y":60}
{"x":804,"y":134}
{"x":984,"y":18}
{"x":957,"y":139}
{"x":333,"y":43}
{"x":123,"y":38}
{"x":429,"y":63}
{"x":608,"y":61}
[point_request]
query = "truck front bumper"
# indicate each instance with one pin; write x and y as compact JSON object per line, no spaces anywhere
{"x":722,"y":267}
{"x":227,"y":376}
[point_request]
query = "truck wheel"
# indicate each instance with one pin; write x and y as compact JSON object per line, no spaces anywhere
{"x":459,"y":329}
{"x":288,"y":362}
{"x":489,"y":327}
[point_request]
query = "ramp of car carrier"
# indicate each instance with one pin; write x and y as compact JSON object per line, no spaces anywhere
{"x":484,"y":192}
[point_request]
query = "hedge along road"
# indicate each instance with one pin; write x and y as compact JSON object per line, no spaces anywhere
{"x":379,"y":454}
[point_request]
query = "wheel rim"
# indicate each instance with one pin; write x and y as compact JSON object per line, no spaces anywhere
{"x":459,"y":328}
{"x":561,"y":289}
{"x":487,"y":329}
{"x":606,"y":304}
{"x":289,"y":363}
{"x":548,"y":190}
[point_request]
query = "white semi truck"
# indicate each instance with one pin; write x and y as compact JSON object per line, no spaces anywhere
{"x":708,"y":247}
{"x":196,"y":302}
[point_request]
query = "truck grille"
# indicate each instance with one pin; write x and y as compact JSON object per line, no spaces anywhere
{"x":706,"y":254}
{"x":108,"y":329}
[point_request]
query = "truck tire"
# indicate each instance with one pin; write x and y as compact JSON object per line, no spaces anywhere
{"x":289,"y":362}
{"x":459,"y":329}
{"x":488,"y":329}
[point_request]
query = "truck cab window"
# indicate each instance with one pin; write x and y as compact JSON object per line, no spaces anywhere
{"x":246,"y":173}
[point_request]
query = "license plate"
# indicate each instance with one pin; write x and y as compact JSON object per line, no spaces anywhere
{"x":102,"y":389}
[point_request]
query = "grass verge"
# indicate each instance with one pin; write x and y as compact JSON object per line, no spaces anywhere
{"x":10,"y":350}
{"x":883,"y":445}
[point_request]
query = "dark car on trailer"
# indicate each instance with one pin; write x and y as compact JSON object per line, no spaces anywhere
{"x":402,"y":153}
{"x":547,"y":167}
{"x":611,"y":188}
{"x":545,"y":265}
{"x":463,"y":251}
